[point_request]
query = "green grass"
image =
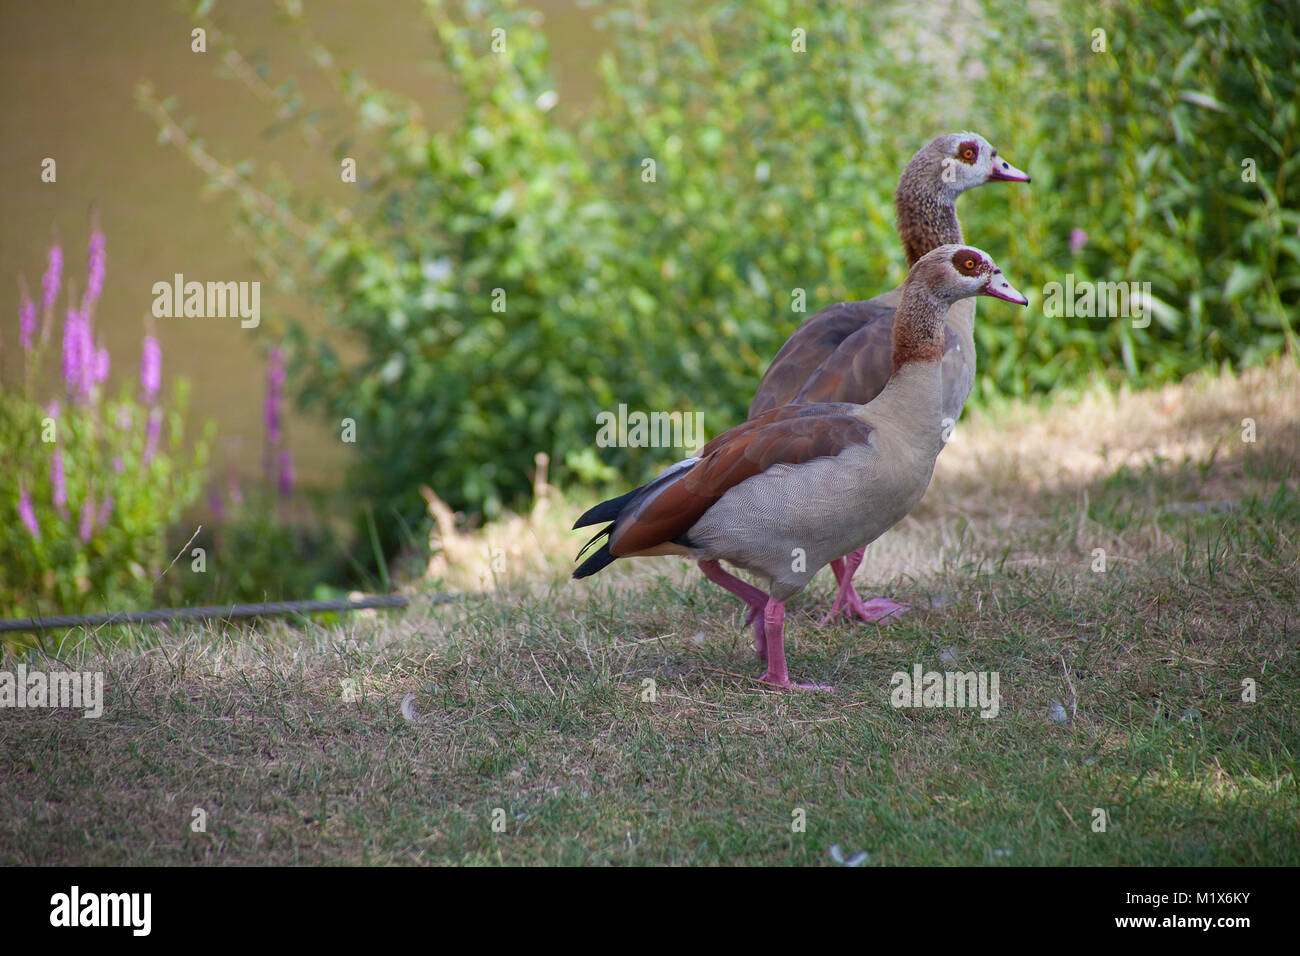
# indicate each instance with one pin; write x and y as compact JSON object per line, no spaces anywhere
{"x":530,"y":703}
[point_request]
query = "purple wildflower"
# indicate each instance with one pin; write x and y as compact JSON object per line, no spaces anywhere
{"x":78,"y":354}
{"x":26,"y":513}
{"x":151,"y":367}
{"x":215,"y":504}
{"x":119,"y":466}
{"x":87,"y":358}
{"x":275,"y":375}
{"x":154,"y":427}
{"x":99,"y":368}
{"x":94,"y":269}
{"x":71,"y":349}
{"x":285,"y":469}
{"x":1078,"y":239}
{"x":50,"y":281}
{"x":274,"y":397}
{"x":27,"y":322}
{"x":87,"y":518}
{"x":105,"y":509}
{"x":59,"y":480}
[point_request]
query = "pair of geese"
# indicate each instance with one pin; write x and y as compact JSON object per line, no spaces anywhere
{"x":845,"y":428}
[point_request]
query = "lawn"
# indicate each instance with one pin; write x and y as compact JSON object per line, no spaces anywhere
{"x":519,"y":725}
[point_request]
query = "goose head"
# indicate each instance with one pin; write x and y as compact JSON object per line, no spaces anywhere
{"x":962,"y":161}
{"x":937,"y":174}
{"x":955,"y":272}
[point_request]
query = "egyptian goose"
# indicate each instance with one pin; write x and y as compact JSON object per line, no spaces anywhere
{"x":842,"y":354}
{"x":771,"y":494}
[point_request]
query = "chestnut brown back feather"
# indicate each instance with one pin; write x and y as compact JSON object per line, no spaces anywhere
{"x":790,"y":435}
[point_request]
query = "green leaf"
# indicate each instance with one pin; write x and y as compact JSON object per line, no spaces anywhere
{"x":1242,"y":280}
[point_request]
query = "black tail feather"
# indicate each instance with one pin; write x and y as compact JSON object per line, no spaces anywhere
{"x":605,"y":511}
{"x":598,"y":560}
{"x":608,"y":529}
{"x":609,"y":511}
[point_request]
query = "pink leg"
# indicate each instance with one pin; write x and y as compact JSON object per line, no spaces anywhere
{"x":847,"y":599}
{"x":751,"y":595}
{"x":774,"y":624}
{"x":837,"y":569}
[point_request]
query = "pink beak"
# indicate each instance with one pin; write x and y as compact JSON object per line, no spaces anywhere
{"x":1000,"y":288}
{"x":1005,"y":172}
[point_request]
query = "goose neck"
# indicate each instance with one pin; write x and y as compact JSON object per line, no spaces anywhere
{"x":926,"y":213}
{"x":918,"y":326}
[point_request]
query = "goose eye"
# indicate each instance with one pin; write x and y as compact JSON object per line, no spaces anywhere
{"x":969,"y":264}
{"x":968,"y":154}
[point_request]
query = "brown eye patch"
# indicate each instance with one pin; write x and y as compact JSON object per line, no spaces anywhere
{"x":968,"y":263}
{"x":968,"y":151}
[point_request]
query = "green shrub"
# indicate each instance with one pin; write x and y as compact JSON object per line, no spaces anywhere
{"x":253,"y":555}
{"x":1148,"y":147}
